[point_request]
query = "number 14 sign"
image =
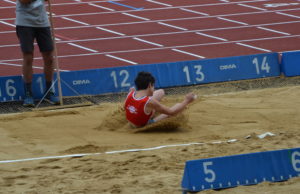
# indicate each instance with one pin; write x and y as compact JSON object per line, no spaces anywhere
{"x":244,"y":169}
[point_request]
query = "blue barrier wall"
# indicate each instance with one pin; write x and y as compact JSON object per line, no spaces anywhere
{"x":291,"y":63}
{"x":111,"y":80}
{"x":245,"y":169}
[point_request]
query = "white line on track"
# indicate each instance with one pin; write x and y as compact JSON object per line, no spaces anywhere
{"x":8,"y":1}
{"x":224,"y":2}
{"x":192,"y":11}
{"x":166,"y":33}
{"x":187,"y":6}
{"x":9,"y":24}
{"x":254,"y":47}
{"x":290,"y":15}
{"x":20,"y":65}
{"x":215,"y":37}
{"x":82,"y":47}
{"x":160,"y":3}
{"x":91,"y":4}
{"x":271,"y":30}
{"x":76,"y":21}
{"x":176,"y":19}
{"x":188,"y":53}
{"x":111,"y":31}
{"x":134,"y":16}
{"x":234,"y":21}
{"x":249,"y":6}
{"x":121,"y":59}
{"x":172,"y":26}
{"x":149,"y":42}
{"x":165,"y":20}
{"x":170,"y":47}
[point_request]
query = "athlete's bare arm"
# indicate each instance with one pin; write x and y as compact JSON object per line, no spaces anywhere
{"x":158,"y":107}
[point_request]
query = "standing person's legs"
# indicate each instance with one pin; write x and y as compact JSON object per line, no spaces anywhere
{"x":48,"y":68}
{"x":46,"y":47}
{"x":26,"y":39}
{"x":27,"y":67}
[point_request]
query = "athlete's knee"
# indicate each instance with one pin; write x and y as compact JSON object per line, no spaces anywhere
{"x":161,"y":92}
{"x":48,"y":58}
{"x":28,"y":59}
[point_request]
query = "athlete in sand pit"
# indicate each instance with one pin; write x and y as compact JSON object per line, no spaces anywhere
{"x":141,"y":103}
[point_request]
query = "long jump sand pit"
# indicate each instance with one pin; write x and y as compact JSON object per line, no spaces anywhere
{"x":102,"y":128}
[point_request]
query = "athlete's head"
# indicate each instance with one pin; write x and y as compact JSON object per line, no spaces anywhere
{"x":143,"y":80}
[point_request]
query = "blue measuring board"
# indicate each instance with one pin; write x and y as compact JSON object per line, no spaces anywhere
{"x":291,"y":63}
{"x":120,"y":79}
{"x":244,"y":169}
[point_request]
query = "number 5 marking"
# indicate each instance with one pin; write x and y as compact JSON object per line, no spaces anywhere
{"x":208,"y":171}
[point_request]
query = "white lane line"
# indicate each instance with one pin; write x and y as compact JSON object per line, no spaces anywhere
{"x":271,"y":30}
{"x":160,"y":3}
{"x":172,"y":26}
{"x":76,"y":21}
{"x":226,"y":1}
{"x":257,"y":8}
{"x":134,"y":16}
{"x":11,"y":45}
{"x":210,"y":4}
{"x":121,"y":59}
{"x":229,"y":20}
{"x":6,"y":23}
{"x":290,"y":15}
{"x":196,"y":12}
{"x":254,"y":47}
{"x":188,"y":53}
{"x":215,"y":37}
{"x":166,"y":33}
{"x":126,"y":151}
{"x":82,"y":47}
{"x":19,"y":65}
{"x":101,"y":7}
{"x":170,"y":47}
{"x":8,"y":1}
{"x":149,"y":42}
{"x":111,"y":31}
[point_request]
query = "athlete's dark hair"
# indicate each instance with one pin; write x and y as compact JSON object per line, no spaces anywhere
{"x":143,"y":79}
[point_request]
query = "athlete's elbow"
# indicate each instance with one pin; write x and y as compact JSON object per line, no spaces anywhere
{"x":173,"y":113}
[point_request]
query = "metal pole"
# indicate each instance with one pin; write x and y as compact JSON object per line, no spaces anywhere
{"x":56,"y":65}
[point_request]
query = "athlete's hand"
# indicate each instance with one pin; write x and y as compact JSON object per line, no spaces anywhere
{"x":190,"y":97}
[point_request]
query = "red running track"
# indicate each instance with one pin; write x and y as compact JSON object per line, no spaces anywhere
{"x":98,"y":34}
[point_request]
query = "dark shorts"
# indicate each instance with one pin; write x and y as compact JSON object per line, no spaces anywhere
{"x":27,"y":35}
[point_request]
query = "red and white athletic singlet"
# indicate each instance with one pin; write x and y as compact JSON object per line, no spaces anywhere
{"x":135,"y":109}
